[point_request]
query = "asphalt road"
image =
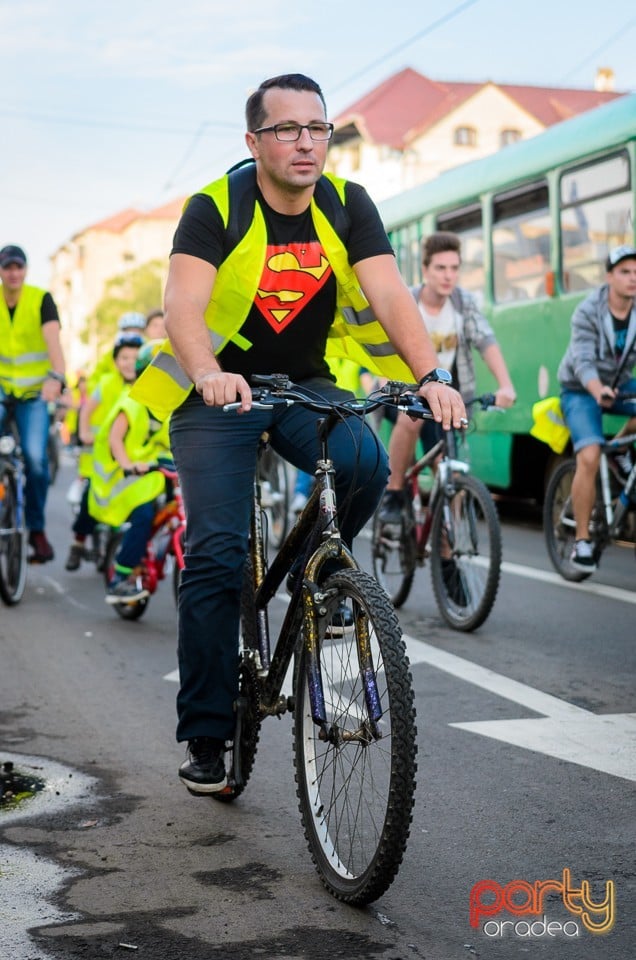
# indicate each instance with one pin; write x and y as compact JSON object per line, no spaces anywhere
{"x":527,"y":763}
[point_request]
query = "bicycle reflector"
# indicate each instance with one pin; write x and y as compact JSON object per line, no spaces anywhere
{"x":7,"y":444}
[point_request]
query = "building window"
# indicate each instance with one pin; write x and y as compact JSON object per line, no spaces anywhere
{"x":465,"y":137}
{"x":509,"y":136}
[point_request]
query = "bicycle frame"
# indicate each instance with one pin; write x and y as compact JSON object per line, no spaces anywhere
{"x":615,"y":514}
{"x":171,"y":519}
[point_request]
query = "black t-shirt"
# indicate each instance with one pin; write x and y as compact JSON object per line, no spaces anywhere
{"x":296,"y":298}
{"x":620,"y":334}
{"x":48,"y":310}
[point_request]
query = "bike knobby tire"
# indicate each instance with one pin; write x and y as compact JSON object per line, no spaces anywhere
{"x":394,"y":555}
{"x":249,"y":695}
{"x":356,"y":787}
{"x":127,"y":611}
{"x":558,"y":522}
{"x":13,"y":542}
{"x":465,"y":552}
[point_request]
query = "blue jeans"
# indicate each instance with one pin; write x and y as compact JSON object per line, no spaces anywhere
{"x":135,"y":539}
{"x":584,"y":416}
{"x":215,"y":455}
{"x":32,"y":421}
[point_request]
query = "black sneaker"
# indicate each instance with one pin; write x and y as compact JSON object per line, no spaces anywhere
{"x":203,"y":771}
{"x":391,"y":508}
{"x":453,"y":583}
{"x":582,"y":557}
{"x":342,"y":621}
{"x":75,"y":556}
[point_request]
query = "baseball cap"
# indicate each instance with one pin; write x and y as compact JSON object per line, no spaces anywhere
{"x":620,"y":253}
{"x":127,"y":340}
{"x":132,"y":321}
{"x":12,"y":254}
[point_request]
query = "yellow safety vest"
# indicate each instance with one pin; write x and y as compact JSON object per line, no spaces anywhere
{"x":113,"y":496}
{"x":355,"y":334}
{"x":111,"y":388}
{"x":24,"y":355}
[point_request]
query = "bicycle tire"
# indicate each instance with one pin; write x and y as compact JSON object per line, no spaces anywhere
{"x":558,"y":522}
{"x":274,"y":480}
{"x":13,"y":543}
{"x":249,"y":691}
{"x":53,"y":455}
{"x":127,"y":611}
{"x":356,"y":795}
{"x":394,"y":560}
{"x":465,"y":584}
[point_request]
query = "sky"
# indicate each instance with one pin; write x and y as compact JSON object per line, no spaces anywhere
{"x":132,"y":104}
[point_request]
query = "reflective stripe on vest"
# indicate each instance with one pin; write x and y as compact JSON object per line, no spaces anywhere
{"x":24,"y":360}
{"x":355,"y":334}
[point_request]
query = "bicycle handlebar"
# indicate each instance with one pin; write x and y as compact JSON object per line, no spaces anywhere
{"x":272,"y":389}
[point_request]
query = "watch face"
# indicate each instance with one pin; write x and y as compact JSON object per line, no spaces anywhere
{"x":442,"y":376}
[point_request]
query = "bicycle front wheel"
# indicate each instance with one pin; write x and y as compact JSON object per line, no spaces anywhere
{"x":13,"y":542}
{"x":356,"y":784}
{"x":465,"y":553}
{"x":394,"y":555}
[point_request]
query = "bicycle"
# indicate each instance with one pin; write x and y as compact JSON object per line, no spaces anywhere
{"x":612,"y":514}
{"x":166,"y":541}
{"x":13,"y":533}
{"x":457,"y":529}
{"x":352,"y":698}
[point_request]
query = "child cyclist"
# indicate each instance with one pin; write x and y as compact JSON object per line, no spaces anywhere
{"x":122,"y":489}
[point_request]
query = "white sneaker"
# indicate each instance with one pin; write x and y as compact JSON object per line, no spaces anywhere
{"x":582,"y":556}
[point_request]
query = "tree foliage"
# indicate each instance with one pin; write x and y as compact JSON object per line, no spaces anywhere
{"x":140,"y":289}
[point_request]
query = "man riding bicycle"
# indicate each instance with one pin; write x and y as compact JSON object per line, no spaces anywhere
{"x":594,"y":373}
{"x":267,"y":270}
{"x":32,"y":374}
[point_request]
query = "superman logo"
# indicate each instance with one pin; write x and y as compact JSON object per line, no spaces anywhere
{"x":292,"y":275}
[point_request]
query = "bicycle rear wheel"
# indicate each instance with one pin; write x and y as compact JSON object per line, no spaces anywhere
{"x":127,"y":611}
{"x":559,"y":526}
{"x":394,"y":558}
{"x":249,"y":727}
{"x":356,"y":786}
{"x":13,"y":542}
{"x":465,"y":553}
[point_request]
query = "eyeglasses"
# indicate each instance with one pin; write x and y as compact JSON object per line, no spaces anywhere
{"x":290,"y":132}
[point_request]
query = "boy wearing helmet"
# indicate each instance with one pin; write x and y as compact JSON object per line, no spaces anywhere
{"x":122,"y":489}
{"x":92,"y":414}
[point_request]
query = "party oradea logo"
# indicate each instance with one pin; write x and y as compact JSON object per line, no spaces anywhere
{"x":543,"y":909}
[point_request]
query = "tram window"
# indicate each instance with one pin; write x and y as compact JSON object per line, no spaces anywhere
{"x":406,"y":242}
{"x":467,"y":224}
{"x":521,"y":243}
{"x":596,"y":205}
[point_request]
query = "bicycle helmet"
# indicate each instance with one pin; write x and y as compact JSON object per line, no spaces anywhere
{"x":132,"y":321}
{"x":146,"y":355}
{"x":127,"y":340}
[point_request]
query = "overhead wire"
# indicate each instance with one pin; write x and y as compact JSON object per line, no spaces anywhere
{"x":591,"y":56}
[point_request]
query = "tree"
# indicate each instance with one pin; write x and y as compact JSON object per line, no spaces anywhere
{"x":140,"y":289}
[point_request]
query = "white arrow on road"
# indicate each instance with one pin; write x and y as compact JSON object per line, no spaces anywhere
{"x":602,"y":742}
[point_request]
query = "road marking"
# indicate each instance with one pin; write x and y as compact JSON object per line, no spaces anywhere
{"x":601,"y":742}
{"x":546,"y":576}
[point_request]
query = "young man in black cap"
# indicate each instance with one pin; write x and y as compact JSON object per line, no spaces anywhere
{"x":32,"y":374}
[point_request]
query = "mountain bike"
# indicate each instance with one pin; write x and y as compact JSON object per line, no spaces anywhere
{"x":13,"y":534}
{"x":165,"y":545}
{"x":352,"y":697}
{"x":455,"y":526}
{"x":613,"y":515}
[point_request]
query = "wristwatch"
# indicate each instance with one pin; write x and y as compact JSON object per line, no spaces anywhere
{"x":436,"y":375}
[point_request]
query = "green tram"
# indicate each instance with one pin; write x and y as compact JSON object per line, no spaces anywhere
{"x":536,"y":221}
